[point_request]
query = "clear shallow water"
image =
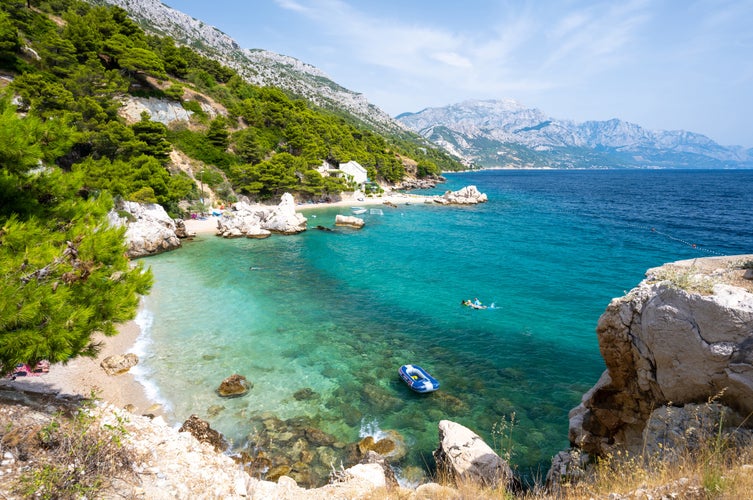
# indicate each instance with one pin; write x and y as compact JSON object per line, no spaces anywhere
{"x":339,"y":312}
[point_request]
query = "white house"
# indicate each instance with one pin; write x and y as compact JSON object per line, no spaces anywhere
{"x":354,"y":170}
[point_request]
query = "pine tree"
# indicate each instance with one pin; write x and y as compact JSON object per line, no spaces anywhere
{"x":63,"y":270}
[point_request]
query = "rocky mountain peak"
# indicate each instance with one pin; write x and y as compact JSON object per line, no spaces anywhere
{"x":506,"y":133}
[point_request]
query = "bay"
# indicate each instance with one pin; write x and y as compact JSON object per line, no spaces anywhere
{"x":320,"y":322}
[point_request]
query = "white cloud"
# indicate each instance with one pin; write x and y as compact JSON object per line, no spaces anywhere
{"x":292,"y":5}
{"x":568,"y":58}
{"x":452,"y":59}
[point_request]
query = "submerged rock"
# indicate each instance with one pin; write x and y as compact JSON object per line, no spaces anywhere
{"x":233,"y":386}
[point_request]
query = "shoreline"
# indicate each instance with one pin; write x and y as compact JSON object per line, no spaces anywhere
{"x":208,"y":225}
{"x":85,"y":377}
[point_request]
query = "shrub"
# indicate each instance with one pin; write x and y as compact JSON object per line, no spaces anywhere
{"x":81,"y":458}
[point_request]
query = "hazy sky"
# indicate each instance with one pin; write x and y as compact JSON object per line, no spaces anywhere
{"x":661,"y":64}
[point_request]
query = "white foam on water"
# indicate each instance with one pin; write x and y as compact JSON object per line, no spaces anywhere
{"x":144,"y":319}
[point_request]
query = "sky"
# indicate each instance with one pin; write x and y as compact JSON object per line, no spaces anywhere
{"x":661,"y":64}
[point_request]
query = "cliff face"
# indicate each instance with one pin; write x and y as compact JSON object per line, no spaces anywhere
{"x":683,"y":335}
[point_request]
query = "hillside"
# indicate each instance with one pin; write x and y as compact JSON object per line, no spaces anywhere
{"x":505,"y":133}
{"x":80,"y":64}
{"x":258,"y":66}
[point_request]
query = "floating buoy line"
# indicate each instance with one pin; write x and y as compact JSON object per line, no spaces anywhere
{"x":690,"y":244}
{"x":694,"y":246}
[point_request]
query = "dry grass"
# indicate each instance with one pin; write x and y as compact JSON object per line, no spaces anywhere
{"x":708,"y":459}
{"x":68,"y":456}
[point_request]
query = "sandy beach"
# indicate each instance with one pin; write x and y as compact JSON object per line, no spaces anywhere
{"x":84,"y":376}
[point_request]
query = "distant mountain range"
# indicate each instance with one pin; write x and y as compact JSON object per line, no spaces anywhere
{"x":501,"y":133}
{"x":504,"y":133}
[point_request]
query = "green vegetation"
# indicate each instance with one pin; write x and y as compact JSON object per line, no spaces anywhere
{"x":81,"y":456}
{"x":66,"y":154}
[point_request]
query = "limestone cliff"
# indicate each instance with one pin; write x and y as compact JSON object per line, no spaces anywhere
{"x":683,"y":335}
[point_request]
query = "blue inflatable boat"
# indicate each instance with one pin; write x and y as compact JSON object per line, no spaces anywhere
{"x":418,"y":379}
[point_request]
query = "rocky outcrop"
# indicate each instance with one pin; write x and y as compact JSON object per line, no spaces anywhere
{"x":181,"y":231}
{"x":415,"y":183}
{"x":464,"y":456}
{"x":469,"y":195}
{"x":349,"y":221}
{"x":684,"y":335}
{"x":259,"y":221}
{"x":119,"y":364}
{"x":203,"y":433}
{"x":149,"y":229}
{"x":160,"y":110}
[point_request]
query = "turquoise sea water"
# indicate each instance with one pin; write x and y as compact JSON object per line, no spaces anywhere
{"x":321,"y":321}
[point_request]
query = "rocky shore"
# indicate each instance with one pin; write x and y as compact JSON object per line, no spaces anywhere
{"x":678,"y":354}
{"x":678,"y":350}
{"x":150,"y":230}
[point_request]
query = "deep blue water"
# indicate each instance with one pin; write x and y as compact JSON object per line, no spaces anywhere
{"x":339,"y":312}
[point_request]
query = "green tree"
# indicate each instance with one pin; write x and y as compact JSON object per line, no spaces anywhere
{"x":218,"y":134}
{"x":272,"y":178}
{"x":63,"y":270}
{"x":9,"y":43}
{"x":154,"y":137}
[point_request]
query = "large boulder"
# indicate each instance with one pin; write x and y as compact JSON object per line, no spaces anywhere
{"x":349,"y":221}
{"x":284,"y":219}
{"x":119,"y":363}
{"x":469,"y":195}
{"x":464,"y":456}
{"x":259,"y":221}
{"x":149,"y":229}
{"x":683,"y":335}
{"x":234,"y":386}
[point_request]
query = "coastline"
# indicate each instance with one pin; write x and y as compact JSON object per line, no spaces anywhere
{"x":85,"y":377}
{"x":208,"y":225}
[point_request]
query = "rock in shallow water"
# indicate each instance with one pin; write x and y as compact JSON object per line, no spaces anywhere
{"x":234,"y":386}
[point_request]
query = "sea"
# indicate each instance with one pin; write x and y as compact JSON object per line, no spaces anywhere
{"x":320,"y":322}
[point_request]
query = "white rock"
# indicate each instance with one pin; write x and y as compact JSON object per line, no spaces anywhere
{"x":465,"y":456}
{"x":665,"y":344}
{"x":149,"y":229}
{"x":349,"y":221}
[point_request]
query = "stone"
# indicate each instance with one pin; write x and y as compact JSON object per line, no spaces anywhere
{"x":318,"y":437}
{"x":181,"y":231}
{"x":149,"y":229}
{"x":682,"y":335}
{"x":463,"y":456}
{"x":392,"y":446}
{"x":372,"y":457}
{"x":469,"y":195}
{"x":234,"y":386}
{"x":260,"y":221}
{"x":349,"y":221}
{"x":305,"y":394}
{"x":203,"y":433}
{"x":119,"y":363}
